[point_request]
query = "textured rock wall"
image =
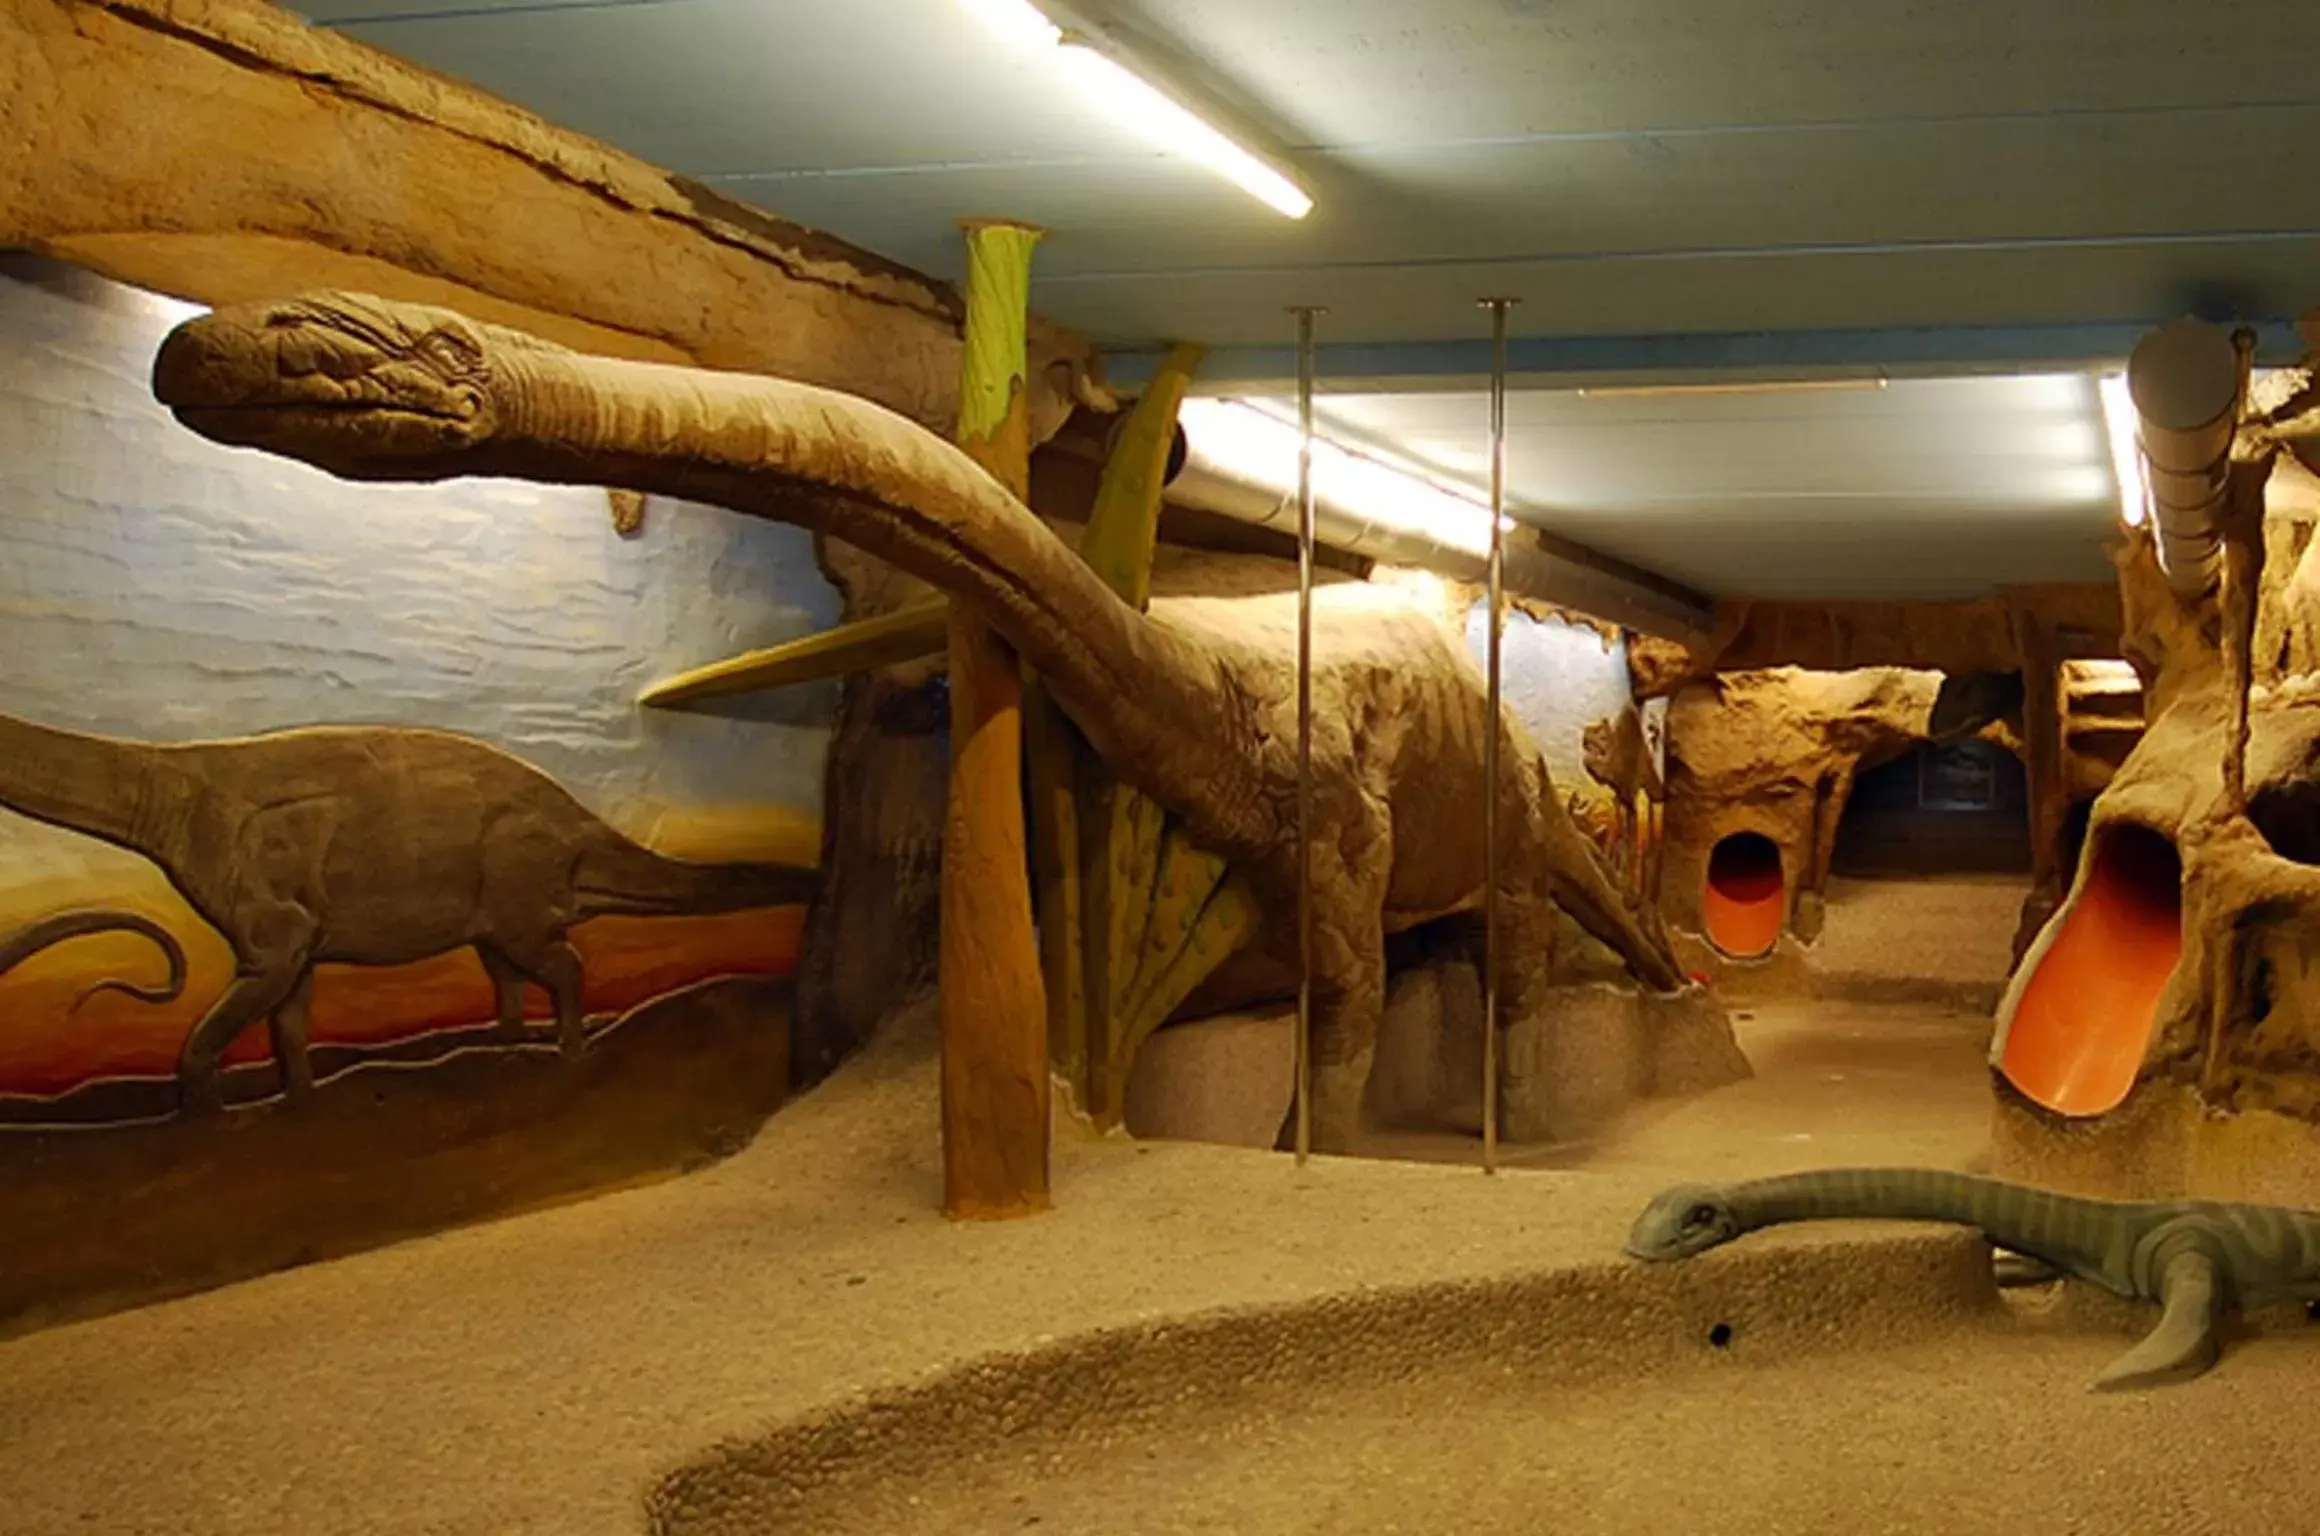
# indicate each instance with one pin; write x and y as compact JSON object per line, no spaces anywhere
{"x":1776,"y":752}
{"x":1978,"y":636}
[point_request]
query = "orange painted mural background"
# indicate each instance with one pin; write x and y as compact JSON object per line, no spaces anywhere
{"x":47,"y":1046}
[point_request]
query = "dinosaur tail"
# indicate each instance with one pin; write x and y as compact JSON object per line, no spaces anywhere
{"x":1582,"y":887}
{"x":2076,"y":1234}
{"x":24,"y":943}
{"x":620,"y":877}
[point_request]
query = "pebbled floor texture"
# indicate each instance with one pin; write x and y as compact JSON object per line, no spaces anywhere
{"x":1196,"y":1339}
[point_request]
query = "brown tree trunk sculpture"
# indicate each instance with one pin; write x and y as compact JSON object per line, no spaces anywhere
{"x":994,"y":1010}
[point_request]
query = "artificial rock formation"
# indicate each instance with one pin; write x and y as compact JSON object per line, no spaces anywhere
{"x":2174,"y":988}
{"x":1981,"y":635}
{"x":1193,"y":704}
{"x":1773,"y":755}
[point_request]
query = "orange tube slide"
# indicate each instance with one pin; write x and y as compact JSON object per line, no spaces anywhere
{"x":1746,"y":897}
{"x":2084,"y":1020}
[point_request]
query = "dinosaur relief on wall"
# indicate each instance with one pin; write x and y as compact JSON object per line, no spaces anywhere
{"x":370,"y":847}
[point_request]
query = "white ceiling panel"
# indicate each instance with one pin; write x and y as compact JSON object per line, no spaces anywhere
{"x":1941,"y":178}
{"x":1927,"y":488}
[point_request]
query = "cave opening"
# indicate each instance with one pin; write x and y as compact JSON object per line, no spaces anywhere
{"x":2074,"y":823}
{"x":2288,"y":815}
{"x":1942,"y":808}
{"x":1745,"y":900}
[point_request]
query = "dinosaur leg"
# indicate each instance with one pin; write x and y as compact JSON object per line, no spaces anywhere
{"x":554,"y":964}
{"x":286,"y":1026}
{"x":251,"y":997}
{"x":1344,"y":1048}
{"x":507,"y":988}
{"x":2184,"y":1344}
{"x":2016,"y":1269}
{"x":1349,"y":989}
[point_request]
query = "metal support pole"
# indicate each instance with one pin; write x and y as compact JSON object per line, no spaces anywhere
{"x":1492,"y":727}
{"x":1305,"y":315}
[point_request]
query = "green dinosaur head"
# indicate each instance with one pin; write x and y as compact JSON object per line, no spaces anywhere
{"x":1688,"y":1219}
{"x":365,"y":388}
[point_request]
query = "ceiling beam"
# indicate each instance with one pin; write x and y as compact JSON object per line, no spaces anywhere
{"x":1737,"y":356}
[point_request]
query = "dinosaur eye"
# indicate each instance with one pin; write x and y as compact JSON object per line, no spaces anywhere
{"x":1700,"y":1216}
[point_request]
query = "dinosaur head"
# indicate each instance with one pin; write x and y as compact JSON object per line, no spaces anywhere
{"x":1688,"y":1219}
{"x":362,"y":387}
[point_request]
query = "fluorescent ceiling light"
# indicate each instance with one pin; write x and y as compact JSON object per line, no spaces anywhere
{"x":174,"y":310}
{"x":1745,"y":387}
{"x":1018,"y":23}
{"x":2123,"y":423}
{"x":1112,"y":87}
{"x":1260,"y":448}
{"x":1141,"y":108}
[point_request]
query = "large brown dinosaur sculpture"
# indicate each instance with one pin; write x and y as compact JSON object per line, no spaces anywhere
{"x":1617,"y":755}
{"x":1193,"y":703}
{"x":363,"y":845}
{"x":48,"y":932}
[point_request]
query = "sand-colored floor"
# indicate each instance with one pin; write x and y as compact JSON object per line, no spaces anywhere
{"x":544,"y":1374}
{"x":1835,"y":1083}
{"x":1957,"y":929}
{"x":1986,"y":1430}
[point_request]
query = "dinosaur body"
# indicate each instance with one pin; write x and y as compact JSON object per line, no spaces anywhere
{"x":364,"y":846}
{"x":2196,"y":1258}
{"x":30,"y":940}
{"x":1193,"y":703}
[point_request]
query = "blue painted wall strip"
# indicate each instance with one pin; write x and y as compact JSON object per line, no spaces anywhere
{"x":1731,"y":354}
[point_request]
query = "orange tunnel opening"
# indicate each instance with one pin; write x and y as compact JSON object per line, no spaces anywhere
{"x":2084,"y":1019}
{"x":1746,"y":897}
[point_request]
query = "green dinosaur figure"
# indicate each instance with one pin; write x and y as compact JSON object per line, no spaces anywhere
{"x":2197,"y":1259}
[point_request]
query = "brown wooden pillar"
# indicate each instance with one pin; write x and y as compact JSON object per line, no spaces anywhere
{"x":994,"y":1010}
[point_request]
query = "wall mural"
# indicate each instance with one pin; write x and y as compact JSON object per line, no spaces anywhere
{"x":295,"y":776}
{"x":1567,"y":683}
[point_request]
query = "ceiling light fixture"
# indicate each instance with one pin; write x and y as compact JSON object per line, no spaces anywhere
{"x":174,"y":310}
{"x":1100,"y":69}
{"x":1259,"y":447}
{"x":1018,"y":23}
{"x":2122,"y":422}
{"x":1741,"y":387}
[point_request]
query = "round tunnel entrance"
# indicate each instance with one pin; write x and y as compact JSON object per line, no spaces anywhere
{"x":2084,"y":1018}
{"x":1745,"y":901}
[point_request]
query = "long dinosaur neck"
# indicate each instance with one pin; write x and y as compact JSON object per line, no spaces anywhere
{"x":114,"y":790}
{"x":2087,"y":1237}
{"x":1156,"y":707}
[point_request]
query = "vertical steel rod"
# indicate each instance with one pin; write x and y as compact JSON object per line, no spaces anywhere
{"x":1490,"y":733}
{"x":1304,"y":316}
